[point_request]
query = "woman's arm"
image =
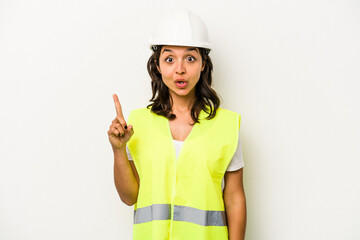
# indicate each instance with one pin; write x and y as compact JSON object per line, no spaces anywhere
{"x":125,"y":177}
{"x":235,"y":204}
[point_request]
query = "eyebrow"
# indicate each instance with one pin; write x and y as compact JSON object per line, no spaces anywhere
{"x":188,"y":50}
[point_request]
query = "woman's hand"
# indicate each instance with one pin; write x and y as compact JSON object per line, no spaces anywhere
{"x":119,"y":133}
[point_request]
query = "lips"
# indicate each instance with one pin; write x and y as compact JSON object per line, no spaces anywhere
{"x":181,"y":83}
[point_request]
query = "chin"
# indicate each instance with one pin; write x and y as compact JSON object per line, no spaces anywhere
{"x":183,"y":93}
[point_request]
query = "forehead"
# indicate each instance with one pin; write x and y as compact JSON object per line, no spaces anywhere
{"x":179,"y":49}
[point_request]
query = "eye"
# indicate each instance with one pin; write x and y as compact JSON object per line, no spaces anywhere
{"x":169,"y":59}
{"x":190,"y":58}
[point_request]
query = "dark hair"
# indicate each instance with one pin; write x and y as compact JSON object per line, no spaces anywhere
{"x":206,"y":97}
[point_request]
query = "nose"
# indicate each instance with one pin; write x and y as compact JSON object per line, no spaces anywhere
{"x":180,"y":68}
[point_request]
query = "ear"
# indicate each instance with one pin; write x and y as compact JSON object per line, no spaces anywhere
{"x":157,"y":66}
{"x":203,"y":67}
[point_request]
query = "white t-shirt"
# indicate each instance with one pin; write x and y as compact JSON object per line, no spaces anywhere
{"x":236,"y":162}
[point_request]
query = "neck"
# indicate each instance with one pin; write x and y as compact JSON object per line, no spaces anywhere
{"x":182,"y":103}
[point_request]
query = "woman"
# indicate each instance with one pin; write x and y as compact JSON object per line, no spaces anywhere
{"x":182,"y":146}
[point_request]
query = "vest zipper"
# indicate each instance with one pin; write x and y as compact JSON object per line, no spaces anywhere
{"x":174,"y":180}
{"x":173,"y":192}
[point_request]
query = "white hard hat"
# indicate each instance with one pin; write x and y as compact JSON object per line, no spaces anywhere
{"x":181,"y":28}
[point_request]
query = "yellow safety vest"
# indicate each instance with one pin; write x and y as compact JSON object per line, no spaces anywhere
{"x":181,"y":198}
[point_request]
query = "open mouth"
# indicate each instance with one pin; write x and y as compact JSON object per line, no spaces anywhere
{"x":181,"y":84}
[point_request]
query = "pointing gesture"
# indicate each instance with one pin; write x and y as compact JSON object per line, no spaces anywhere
{"x":119,"y":133}
{"x":119,"y":114}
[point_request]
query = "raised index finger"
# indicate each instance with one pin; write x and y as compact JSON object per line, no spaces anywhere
{"x":117,"y":106}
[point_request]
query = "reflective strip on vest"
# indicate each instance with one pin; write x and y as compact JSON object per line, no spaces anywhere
{"x":181,"y":213}
{"x":200,"y":217}
{"x":153,"y":212}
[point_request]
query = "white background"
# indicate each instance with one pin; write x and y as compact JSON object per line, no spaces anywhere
{"x":290,"y":68}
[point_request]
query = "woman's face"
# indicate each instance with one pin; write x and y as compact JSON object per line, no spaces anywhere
{"x":180,"y":68}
